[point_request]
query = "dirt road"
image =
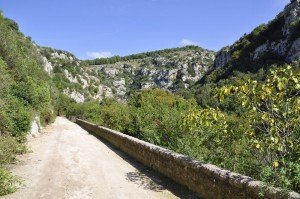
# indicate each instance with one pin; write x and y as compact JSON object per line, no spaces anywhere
{"x":68,"y":162}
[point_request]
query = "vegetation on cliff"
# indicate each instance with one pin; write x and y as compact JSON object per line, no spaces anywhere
{"x":25,"y":91}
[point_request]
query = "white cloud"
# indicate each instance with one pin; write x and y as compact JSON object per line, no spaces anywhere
{"x":187,"y":42}
{"x":103,"y":54}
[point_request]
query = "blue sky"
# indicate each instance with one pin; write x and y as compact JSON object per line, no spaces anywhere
{"x":101,"y":28}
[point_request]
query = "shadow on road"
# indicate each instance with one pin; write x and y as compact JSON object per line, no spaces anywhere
{"x":149,"y":179}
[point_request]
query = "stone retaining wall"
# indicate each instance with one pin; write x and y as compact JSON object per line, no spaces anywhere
{"x":209,"y":181}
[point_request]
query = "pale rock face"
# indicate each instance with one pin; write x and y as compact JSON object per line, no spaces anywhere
{"x":84,"y":82}
{"x":103,"y":92}
{"x":112,"y":72}
{"x":172,"y":74}
{"x":70,"y":77}
{"x":108,"y":80}
{"x":119,"y":83}
{"x":199,"y":72}
{"x":47,"y":66}
{"x":164,"y":79}
{"x":160,"y":61}
{"x":184,"y":66}
{"x":260,"y":51}
{"x":60,"y":56}
{"x":294,"y":52}
{"x":129,"y":71}
{"x":284,"y":48}
{"x":291,"y":14}
{"x":184,"y":78}
{"x":35,"y":127}
{"x":93,"y":78}
{"x":280,"y":47}
{"x":222,"y":58}
{"x":148,"y":72}
{"x":76,"y":96}
{"x":198,"y":69}
{"x":147,"y":85}
{"x":120,"y":86}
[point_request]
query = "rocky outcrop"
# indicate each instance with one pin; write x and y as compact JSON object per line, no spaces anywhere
{"x":280,"y":39}
{"x":170,"y":71}
{"x":260,"y":50}
{"x":285,"y":47}
{"x":35,"y":127}
{"x":70,"y":77}
{"x":294,"y":52}
{"x":223,"y":57}
{"x":73,"y":94}
{"x":103,"y":92}
{"x":291,"y":14}
{"x":163,"y":71}
{"x":47,"y":66}
{"x":120,"y":87}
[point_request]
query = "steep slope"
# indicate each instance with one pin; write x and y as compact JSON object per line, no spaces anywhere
{"x":277,"y":42}
{"x":170,"y":69}
{"x":26,"y":89}
{"x":26,"y":94}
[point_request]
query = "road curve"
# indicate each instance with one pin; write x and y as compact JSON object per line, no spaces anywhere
{"x":68,"y":162}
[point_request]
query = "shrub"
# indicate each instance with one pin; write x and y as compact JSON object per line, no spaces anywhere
{"x":272,"y":109}
{"x":155,"y":116}
{"x":8,"y":182}
{"x":9,"y":147}
{"x":214,"y":137}
{"x":46,"y":116}
{"x":20,"y":117}
{"x":115,"y":116}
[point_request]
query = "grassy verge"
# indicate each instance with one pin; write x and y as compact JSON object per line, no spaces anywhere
{"x":9,"y":148}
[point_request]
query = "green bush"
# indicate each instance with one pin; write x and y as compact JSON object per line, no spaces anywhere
{"x":9,"y":147}
{"x":272,"y":128}
{"x":209,"y":136}
{"x":115,"y":115}
{"x":46,"y":116}
{"x":20,"y":117}
{"x":8,"y":182}
{"x":62,"y":102}
{"x":155,"y":115}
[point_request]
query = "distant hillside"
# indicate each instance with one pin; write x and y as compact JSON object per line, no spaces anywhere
{"x":153,"y":54}
{"x":170,"y":69}
{"x":177,"y":69}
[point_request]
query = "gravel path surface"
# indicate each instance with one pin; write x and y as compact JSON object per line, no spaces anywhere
{"x":68,"y":162}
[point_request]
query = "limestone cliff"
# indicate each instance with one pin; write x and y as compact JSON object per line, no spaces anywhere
{"x":277,"y":41}
{"x":171,"y":69}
